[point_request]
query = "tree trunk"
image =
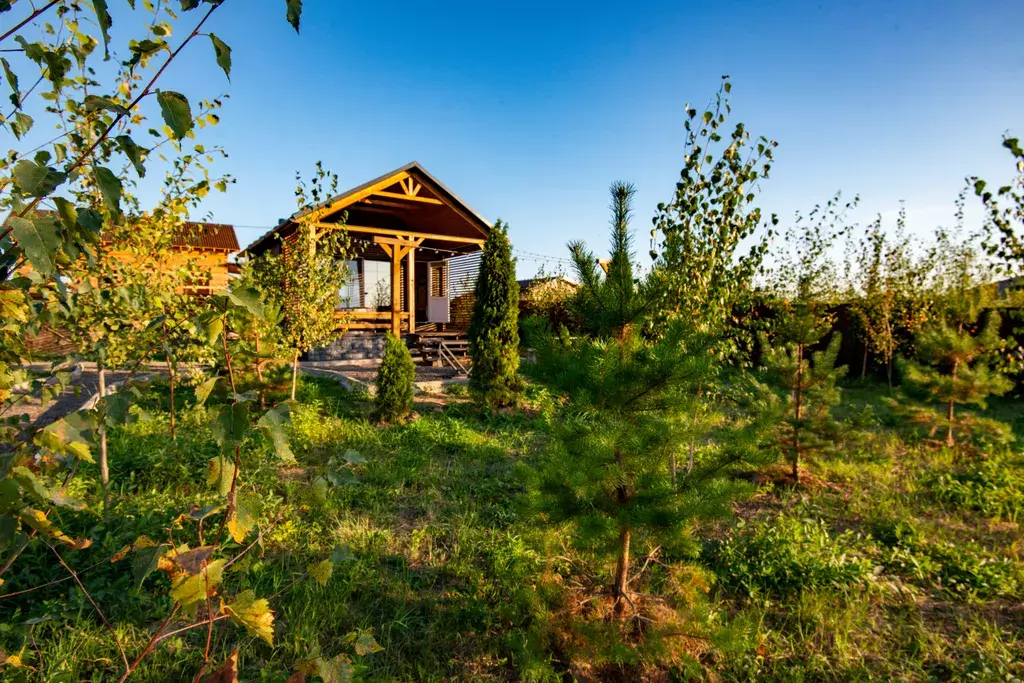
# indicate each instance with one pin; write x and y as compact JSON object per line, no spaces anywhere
{"x":798,"y":400}
{"x":864,"y":364}
{"x":620,"y":587}
{"x":295,"y":372}
{"x":259,"y":371}
{"x":170,"y":374}
{"x":949,"y":412}
{"x":888,"y":370}
{"x":104,"y":468}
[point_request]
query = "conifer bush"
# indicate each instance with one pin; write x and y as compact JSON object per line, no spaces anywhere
{"x":494,"y":328}
{"x":395,"y":379}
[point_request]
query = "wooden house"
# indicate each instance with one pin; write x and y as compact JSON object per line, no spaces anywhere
{"x":418,"y":249}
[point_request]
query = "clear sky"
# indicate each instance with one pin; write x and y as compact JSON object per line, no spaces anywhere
{"x":529,"y":110}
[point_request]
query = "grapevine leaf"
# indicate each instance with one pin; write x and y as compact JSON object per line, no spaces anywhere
{"x":254,"y":614}
{"x":337,"y":670}
{"x":176,"y":112}
{"x":366,"y":644}
{"x":231,"y":424}
{"x":147,"y":561}
{"x":273,"y":425}
{"x":188,"y":589}
{"x":220,"y":473}
{"x":241,"y":522}
{"x":321,"y":571}
{"x":192,"y":561}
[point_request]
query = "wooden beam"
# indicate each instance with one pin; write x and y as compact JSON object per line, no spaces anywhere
{"x":410,"y":289}
{"x":404,"y":233}
{"x":407,"y":197}
{"x":356,"y":196}
{"x":396,"y":292}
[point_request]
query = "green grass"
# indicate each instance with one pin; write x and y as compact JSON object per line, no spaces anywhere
{"x":903,"y":564}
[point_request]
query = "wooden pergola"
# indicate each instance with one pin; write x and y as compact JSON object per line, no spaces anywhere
{"x":394,"y":217}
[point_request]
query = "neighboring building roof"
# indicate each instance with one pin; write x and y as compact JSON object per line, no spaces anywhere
{"x":207,"y":237}
{"x":195,"y":235}
{"x":348,"y":199}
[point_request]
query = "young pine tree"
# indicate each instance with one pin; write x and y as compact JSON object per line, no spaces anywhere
{"x":395,"y":379}
{"x":952,"y":364}
{"x":806,"y":388}
{"x":494,"y":328}
{"x":609,"y":472}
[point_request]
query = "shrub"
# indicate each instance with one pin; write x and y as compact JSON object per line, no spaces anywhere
{"x":790,"y":556}
{"x":494,"y":329}
{"x":395,"y":382}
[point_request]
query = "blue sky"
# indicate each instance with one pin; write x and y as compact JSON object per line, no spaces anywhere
{"x":529,"y":110}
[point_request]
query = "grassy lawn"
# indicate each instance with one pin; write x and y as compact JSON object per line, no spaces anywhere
{"x":893,"y":561}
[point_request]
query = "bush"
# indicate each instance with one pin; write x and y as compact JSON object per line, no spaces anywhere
{"x":395,"y":382}
{"x":790,"y":556}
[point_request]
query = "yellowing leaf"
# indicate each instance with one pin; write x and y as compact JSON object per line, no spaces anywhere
{"x":321,"y":571}
{"x":227,"y":672}
{"x":187,"y":589}
{"x":252,"y":613}
{"x":241,"y":522}
{"x":366,"y":644}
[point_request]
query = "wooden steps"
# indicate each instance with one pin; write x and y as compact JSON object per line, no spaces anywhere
{"x":442,"y":349}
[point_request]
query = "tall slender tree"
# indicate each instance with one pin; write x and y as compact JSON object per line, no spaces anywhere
{"x":494,"y":328}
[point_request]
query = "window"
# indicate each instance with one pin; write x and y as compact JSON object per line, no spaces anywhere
{"x":438,"y":286}
{"x":377,"y":284}
{"x":350,"y":291}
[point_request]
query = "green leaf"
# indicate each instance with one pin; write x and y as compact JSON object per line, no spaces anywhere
{"x":248,"y":298}
{"x":231,"y":424}
{"x":97,"y":103}
{"x":103,"y":19}
{"x":111,"y":189}
{"x":294,"y":13}
{"x":146,"y":561}
{"x":31,"y":484}
{"x":39,"y":240}
{"x":22,"y":124}
{"x":36,"y":180}
{"x":223,"y":52}
{"x":321,"y":571}
{"x":191,"y":589}
{"x":187,"y":5}
{"x":176,"y":112}
{"x":12,"y":81}
{"x":91,"y":220}
{"x":354,"y":457}
{"x":5,"y":5}
{"x":273,"y":425}
{"x":252,"y":613}
{"x":203,"y":392}
{"x":220,"y":473}
{"x":212,"y":329}
{"x":342,"y":553}
{"x":67,"y":213}
{"x":133,"y":152}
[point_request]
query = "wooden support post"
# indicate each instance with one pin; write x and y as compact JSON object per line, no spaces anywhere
{"x":410,"y":288}
{"x":396,"y":291}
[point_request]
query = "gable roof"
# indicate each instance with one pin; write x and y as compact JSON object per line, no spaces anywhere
{"x":373,"y":195}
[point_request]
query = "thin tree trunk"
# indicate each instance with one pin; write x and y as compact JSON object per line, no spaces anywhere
{"x":620,"y":587}
{"x":259,"y":371}
{"x":798,"y":391}
{"x":864,"y":364}
{"x":672,"y":464}
{"x":949,"y":413}
{"x":104,"y":468}
{"x":295,"y":372}
{"x":888,"y":370}
{"x":170,"y":374}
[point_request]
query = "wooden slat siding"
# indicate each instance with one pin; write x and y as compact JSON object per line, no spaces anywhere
{"x":462,"y":274}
